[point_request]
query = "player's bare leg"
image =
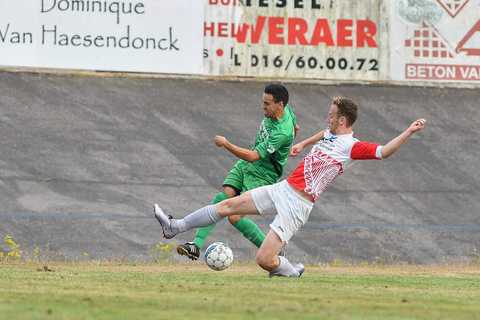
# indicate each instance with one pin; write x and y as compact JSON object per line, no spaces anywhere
{"x":241,"y":205}
{"x":268,"y":259}
{"x":267,"y":255}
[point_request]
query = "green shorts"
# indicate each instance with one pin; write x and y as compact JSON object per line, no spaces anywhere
{"x":243,"y":178}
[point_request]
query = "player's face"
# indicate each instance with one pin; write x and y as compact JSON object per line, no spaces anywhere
{"x":333,"y":120}
{"x":270,"y":106}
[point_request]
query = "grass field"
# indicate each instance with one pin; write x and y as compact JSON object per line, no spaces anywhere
{"x":191,"y":291}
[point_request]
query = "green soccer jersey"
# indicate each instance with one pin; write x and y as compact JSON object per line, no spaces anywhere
{"x":273,"y":141}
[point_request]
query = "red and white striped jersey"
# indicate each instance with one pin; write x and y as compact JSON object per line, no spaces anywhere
{"x":328,"y":159}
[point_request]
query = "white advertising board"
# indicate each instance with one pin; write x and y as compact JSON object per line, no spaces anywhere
{"x":435,"y":41}
{"x":299,"y":39}
{"x":138,"y":35}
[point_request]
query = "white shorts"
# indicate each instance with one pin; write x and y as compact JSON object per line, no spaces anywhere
{"x":290,"y":208}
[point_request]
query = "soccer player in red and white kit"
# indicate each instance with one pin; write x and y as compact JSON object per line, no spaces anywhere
{"x":291,"y":200}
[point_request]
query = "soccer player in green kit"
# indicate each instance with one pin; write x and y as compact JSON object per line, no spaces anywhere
{"x":262,"y":165}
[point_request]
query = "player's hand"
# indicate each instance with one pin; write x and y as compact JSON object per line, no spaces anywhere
{"x":417,"y":125}
{"x":296,"y":149}
{"x":220,"y":141}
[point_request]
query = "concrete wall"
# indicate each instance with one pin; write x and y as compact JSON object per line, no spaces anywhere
{"x":83,"y":158}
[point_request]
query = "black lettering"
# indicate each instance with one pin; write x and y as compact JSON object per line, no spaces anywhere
{"x":87,"y":41}
{"x":152,"y":41}
{"x":3,"y":36}
{"x":98,"y":41}
{"x":111,"y":39}
{"x":78,"y":5}
{"x":235,"y":60}
{"x":160,"y":44}
{"x":298,"y":4}
{"x":114,"y":8}
{"x":125,"y":39}
{"x":15,"y":38}
{"x":52,"y":35}
{"x":128,"y":6}
{"x":140,"y":45}
{"x":99,"y":4}
{"x":66,"y":5}
{"x":139,"y":6}
{"x":74,"y":39}
{"x":63,"y":40}
{"x":254,"y":61}
{"x":49,"y":9}
{"x":172,"y":43}
{"x":54,"y":31}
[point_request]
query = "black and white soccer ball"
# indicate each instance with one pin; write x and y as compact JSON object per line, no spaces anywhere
{"x":218,"y":256}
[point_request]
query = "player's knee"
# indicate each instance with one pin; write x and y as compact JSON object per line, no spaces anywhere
{"x":234,"y":219}
{"x":226,"y":207}
{"x":265,"y":261}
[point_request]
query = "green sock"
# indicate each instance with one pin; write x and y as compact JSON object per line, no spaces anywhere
{"x":203,"y":233}
{"x":250,"y":231}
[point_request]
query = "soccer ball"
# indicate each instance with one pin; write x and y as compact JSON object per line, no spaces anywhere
{"x":218,"y":256}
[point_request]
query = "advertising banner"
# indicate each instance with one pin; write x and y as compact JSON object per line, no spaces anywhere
{"x":297,"y":39}
{"x":136,"y":36}
{"x":435,"y":40}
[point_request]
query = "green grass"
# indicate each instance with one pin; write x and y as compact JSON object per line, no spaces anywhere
{"x":109,"y":291}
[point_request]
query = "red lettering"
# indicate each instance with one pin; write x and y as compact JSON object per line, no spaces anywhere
{"x":297,"y":28}
{"x":209,"y":27}
{"x":234,"y":30}
{"x":322,"y":34}
{"x":223,"y":2}
{"x":472,"y":33}
{"x":366,"y":31}
{"x":257,"y":30}
{"x":222,"y":29}
{"x":275,"y":30}
{"x":344,"y":33}
{"x":241,"y":33}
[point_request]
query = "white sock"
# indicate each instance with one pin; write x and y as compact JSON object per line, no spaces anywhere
{"x":201,"y":218}
{"x":284,"y":269}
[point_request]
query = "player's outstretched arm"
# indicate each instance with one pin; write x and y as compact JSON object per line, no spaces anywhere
{"x":242,"y":153}
{"x":394,"y":144}
{"x":297,"y":148}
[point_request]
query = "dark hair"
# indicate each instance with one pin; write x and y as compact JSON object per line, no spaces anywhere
{"x":347,"y":108}
{"x":278,"y":91}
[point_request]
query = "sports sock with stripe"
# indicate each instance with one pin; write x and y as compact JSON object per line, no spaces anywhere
{"x":203,"y":233}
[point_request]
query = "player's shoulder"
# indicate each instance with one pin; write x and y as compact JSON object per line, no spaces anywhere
{"x":285,"y":123}
{"x":347,"y":141}
{"x":290,"y":112}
